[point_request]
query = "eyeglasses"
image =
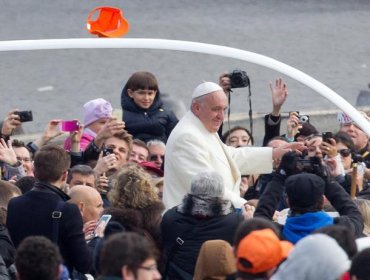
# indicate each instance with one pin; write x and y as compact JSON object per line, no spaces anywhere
{"x":156,"y":157}
{"x":151,"y":268}
{"x":344,"y":152}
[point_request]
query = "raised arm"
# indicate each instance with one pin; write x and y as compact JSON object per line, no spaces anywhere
{"x":279,"y":94}
{"x":11,"y":122}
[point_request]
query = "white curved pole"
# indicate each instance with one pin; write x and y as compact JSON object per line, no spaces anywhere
{"x":161,"y":44}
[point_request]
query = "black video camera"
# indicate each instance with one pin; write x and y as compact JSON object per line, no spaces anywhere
{"x":238,"y":79}
{"x":311,"y":165}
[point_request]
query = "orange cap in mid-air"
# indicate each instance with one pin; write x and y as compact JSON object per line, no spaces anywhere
{"x":109,"y":22}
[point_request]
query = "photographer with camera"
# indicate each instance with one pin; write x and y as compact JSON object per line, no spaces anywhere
{"x":10,"y":123}
{"x":279,"y":94}
{"x":299,"y":127}
{"x":306,"y":183}
{"x":293,"y":126}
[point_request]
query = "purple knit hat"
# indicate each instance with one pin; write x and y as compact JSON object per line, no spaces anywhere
{"x":96,"y":109}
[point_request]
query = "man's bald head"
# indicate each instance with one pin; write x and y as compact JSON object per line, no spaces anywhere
{"x":88,"y":200}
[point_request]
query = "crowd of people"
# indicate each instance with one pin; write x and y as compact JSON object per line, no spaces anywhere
{"x":154,"y":197}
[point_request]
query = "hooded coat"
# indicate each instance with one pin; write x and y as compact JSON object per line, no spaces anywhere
{"x":215,"y":261}
{"x":316,"y":256}
{"x":147,"y":124}
{"x":194,"y":221}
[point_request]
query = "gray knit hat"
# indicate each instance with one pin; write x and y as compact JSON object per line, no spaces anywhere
{"x":316,"y":256}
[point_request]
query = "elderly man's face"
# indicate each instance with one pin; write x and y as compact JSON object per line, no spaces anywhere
{"x":210,"y":109}
{"x":156,"y":154}
{"x":359,"y":137}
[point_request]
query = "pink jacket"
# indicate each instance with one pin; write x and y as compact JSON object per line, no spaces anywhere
{"x":85,"y":141}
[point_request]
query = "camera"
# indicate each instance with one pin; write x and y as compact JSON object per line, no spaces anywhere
{"x":24,"y":116}
{"x":239,"y":79}
{"x":303,"y":118}
{"x":310,"y":164}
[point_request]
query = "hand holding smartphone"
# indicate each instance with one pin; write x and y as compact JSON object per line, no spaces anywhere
{"x":107,"y":151}
{"x":70,"y":126}
{"x":326,"y":136}
{"x":100,"y":226}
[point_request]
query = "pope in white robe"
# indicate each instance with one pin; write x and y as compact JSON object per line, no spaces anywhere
{"x":195,"y":146}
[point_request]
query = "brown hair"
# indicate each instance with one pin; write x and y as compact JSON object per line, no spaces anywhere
{"x":38,"y":258}
{"x":133,"y":189}
{"x":18,"y":143}
{"x":122,"y":249}
{"x":142,"y":80}
{"x":235,"y":128}
{"x":140,"y":143}
{"x":7,"y":192}
{"x":127,"y":137}
{"x":50,"y":163}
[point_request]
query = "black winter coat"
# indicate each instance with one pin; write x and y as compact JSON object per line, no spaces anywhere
{"x":350,"y":216}
{"x":194,"y":230}
{"x":146,"y":124}
{"x":31,"y":214}
{"x":7,"y":249}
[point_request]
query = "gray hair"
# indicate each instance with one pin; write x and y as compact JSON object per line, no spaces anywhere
{"x":156,"y":142}
{"x":207,"y":184}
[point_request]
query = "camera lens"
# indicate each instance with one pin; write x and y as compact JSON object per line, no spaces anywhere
{"x":303,"y":119}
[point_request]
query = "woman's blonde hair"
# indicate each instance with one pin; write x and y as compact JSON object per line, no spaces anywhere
{"x":132,"y":188}
{"x":364,"y":206}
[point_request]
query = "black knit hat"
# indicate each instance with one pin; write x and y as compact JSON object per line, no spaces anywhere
{"x":304,"y":190}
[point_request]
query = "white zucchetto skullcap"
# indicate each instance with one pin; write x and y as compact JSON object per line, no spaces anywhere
{"x":205,"y":88}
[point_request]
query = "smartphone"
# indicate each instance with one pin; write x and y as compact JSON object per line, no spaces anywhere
{"x":70,"y":126}
{"x":25,"y":116}
{"x":107,"y":151}
{"x":326,"y":136}
{"x":100,"y":226}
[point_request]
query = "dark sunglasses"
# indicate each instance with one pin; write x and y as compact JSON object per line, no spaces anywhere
{"x":155,"y":157}
{"x":344,"y":152}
